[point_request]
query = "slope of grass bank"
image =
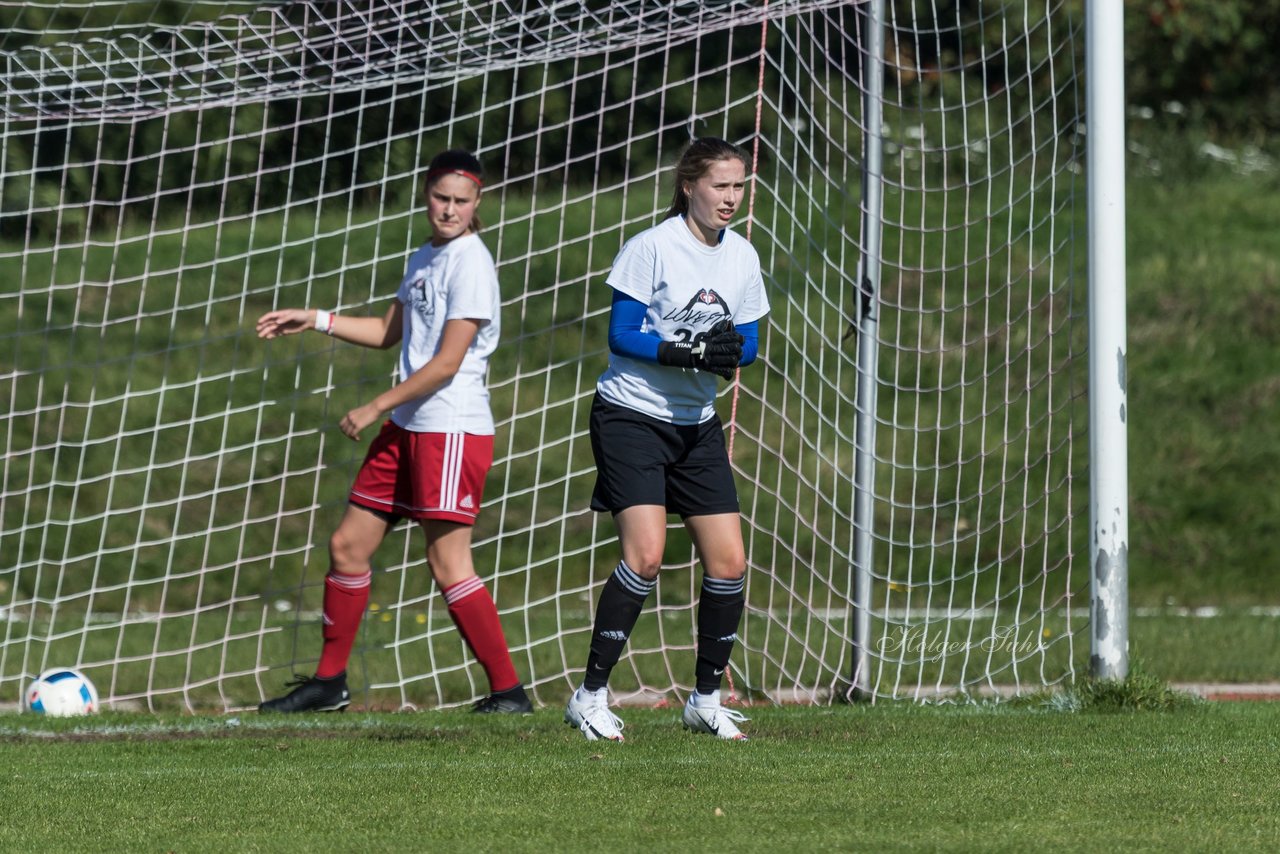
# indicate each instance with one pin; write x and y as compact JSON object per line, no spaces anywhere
{"x":1204,"y":388}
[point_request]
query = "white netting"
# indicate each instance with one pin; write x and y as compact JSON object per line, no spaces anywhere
{"x":169,"y":481}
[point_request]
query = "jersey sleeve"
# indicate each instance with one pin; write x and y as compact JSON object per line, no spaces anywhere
{"x":755,"y":302}
{"x":473,"y":287}
{"x":635,"y":269}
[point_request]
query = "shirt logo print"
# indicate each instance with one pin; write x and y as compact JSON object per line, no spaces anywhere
{"x":422,"y":299}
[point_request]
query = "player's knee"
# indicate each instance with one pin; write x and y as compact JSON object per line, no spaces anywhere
{"x":726,"y":567}
{"x":346,"y":555}
{"x":645,"y":564}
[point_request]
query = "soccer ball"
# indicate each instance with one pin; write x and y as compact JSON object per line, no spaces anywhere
{"x":62,"y":693}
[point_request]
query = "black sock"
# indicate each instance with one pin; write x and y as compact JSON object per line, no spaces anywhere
{"x":619,"y":607}
{"x":719,"y":612}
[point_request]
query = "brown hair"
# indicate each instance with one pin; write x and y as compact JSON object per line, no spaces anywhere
{"x":456,"y":162}
{"x":695,"y":162}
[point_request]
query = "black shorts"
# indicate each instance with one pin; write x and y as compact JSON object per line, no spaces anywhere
{"x":645,"y":460}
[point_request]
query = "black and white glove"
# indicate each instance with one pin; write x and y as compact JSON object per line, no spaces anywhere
{"x":722,"y":349}
{"x":718,"y":350}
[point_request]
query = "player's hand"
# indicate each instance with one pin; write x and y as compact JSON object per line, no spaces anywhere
{"x":722,"y":349}
{"x":358,"y":419}
{"x":286,"y":321}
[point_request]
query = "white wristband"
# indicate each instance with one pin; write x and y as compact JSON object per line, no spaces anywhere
{"x":324,"y":321}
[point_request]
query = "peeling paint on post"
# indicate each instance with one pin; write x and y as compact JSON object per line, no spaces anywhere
{"x":1109,"y":615}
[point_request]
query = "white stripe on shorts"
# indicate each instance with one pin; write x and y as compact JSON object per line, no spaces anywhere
{"x":451,"y":470}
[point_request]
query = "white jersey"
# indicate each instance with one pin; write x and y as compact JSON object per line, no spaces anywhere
{"x":442,"y":283}
{"x":688,"y":286}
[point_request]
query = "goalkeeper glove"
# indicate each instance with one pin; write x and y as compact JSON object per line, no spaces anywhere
{"x":722,"y":349}
{"x":718,"y":350}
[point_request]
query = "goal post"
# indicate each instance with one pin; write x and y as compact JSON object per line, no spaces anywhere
{"x":911,"y":448}
{"x":1108,"y":400}
{"x":868,"y":354}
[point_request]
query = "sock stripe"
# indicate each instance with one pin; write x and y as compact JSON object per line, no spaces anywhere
{"x":633,"y":582}
{"x":723,"y":586}
{"x":348,"y":582}
{"x":462,"y":589}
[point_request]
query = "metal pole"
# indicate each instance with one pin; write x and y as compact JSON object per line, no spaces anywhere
{"x":1108,"y":436}
{"x":868,"y":354}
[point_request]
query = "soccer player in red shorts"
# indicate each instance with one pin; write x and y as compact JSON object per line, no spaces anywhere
{"x":429,"y":460}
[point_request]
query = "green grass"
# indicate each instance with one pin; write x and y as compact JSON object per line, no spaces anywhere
{"x":884,"y":778}
{"x":1204,"y":387}
{"x":1234,"y":646}
{"x":1204,"y":313}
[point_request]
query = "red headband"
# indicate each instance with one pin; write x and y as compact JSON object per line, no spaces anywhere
{"x":436,"y":173}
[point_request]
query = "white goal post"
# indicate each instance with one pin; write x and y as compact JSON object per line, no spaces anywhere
{"x":912,"y":448}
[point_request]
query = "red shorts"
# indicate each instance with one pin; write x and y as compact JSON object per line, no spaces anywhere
{"x":424,"y":475}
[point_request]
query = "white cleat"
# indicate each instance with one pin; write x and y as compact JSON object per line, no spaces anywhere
{"x":713,"y":718}
{"x":588,"y":711}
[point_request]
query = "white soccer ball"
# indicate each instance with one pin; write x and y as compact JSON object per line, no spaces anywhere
{"x":62,"y":693}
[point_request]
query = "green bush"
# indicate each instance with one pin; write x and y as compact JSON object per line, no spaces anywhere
{"x":1208,"y":56}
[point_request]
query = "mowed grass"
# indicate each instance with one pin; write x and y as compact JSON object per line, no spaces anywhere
{"x":881,"y":778}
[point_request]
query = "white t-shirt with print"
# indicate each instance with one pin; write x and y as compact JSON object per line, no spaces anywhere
{"x":688,"y":286}
{"x":442,"y":283}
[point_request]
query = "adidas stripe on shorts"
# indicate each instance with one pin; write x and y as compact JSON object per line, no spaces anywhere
{"x":424,"y":475}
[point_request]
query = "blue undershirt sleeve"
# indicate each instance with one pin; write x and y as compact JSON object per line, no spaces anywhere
{"x":626,"y":317}
{"x":750,"y":333}
{"x":625,"y":335}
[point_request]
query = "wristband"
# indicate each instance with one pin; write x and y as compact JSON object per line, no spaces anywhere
{"x":681,"y":354}
{"x":324,"y":321}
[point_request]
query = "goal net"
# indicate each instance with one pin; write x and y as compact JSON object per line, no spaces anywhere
{"x":172,"y":171}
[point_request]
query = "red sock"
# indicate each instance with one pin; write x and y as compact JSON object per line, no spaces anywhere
{"x":345,"y":597}
{"x":476,"y":617}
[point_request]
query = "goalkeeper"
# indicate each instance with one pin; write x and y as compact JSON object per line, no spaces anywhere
{"x":687,"y":299}
{"x":429,"y":459}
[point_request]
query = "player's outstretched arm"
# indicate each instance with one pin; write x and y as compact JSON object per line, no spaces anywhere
{"x":376,"y":332}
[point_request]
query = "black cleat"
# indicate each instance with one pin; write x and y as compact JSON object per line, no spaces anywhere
{"x":312,"y":695}
{"x":511,"y":702}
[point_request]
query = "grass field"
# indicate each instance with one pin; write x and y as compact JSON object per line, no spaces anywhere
{"x":881,"y":778}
